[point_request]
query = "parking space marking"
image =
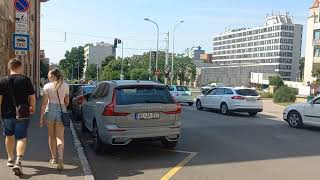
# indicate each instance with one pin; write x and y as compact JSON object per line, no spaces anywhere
{"x":179,"y":166}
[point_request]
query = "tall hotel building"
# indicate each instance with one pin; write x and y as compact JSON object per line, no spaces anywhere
{"x":273,"y":49}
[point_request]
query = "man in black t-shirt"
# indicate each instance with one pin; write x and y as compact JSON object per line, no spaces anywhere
{"x":15,"y":90}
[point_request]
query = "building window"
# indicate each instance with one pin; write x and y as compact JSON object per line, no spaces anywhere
{"x":317,"y":52}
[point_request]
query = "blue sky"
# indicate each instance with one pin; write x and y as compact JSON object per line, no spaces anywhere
{"x":102,"y":20}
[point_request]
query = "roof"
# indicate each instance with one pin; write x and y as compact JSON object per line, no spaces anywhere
{"x":315,"y":4}
{"x":133,"y":82}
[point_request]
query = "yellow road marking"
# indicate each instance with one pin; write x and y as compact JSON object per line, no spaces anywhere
{"x":179,"y":166}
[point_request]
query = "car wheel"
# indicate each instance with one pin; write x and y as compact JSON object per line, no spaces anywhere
{"x":98,"y":145}
{"x":199,"y":105}
{"x":169,"y":144}
{"x":190,"y":104}
{"x":224,"y":109}
{"x":253,"y":113}
{"x":295,"y":120}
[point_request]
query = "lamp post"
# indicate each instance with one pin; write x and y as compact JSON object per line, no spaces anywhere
{"x":172,"y":57}
{"x":147,"y":19}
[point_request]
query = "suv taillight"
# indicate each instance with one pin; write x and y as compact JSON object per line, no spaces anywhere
{"x":259,"y":98}
{"x":177,"y":111}
{"x":238,"y":98}
{"x":109,"y":109}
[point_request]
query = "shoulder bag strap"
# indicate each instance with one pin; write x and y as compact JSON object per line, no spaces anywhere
{"x":59,"y":99}
{"x":11,"y":92}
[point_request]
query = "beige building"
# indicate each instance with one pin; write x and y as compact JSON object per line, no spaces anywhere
{"x":312,"y":54}
{"x":31,"y":61}
{"x":207,"y":58}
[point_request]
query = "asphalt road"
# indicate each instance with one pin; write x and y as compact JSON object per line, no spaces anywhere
{"x":235,"y":147}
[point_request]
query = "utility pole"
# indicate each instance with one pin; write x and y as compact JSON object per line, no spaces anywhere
{"x":97,"y":68}
{"x":150,"y":58}
{"x":166,"y":68}
{"x":78,"y":69}
{"x":121,"y":75}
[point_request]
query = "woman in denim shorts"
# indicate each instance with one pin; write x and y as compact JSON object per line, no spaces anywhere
{"x":51,"y":107}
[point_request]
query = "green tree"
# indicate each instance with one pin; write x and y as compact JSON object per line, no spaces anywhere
{"x":316,"y":71}
{"x":276,"y":81}
{"x":139,"y":74}
{"x":69,"y":65}
{"x":184,"y":69}
{"x":112,"y":71}
{"x":107,"y":60}
{"x":91,"y":72}
{"x":44,"y":69}
{"x":285,"y":94}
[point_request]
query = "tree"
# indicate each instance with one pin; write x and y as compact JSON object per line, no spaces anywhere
{"x":107,"y":60}
{"x":301,"y":68}
{"x":139,"y":74}
{"x":316,"y":71}
{"x":69,"y":65}
{"x":276,"y":81}
{"x":184,"y":69}
{"x":112,"y":71}
{"x":91,"y":72}
{"x":44,"y":69}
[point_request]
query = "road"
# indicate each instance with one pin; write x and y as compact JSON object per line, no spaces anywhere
{"x":235,"y":147}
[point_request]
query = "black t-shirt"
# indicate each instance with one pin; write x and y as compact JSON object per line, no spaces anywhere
{"x":21,"y":88}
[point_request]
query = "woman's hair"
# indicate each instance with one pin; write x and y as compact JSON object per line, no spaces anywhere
{"x":58,"y":78}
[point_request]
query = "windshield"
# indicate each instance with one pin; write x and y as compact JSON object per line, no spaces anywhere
{"x":143,"y":95}
{"x":88,"y":89}
{"x":247,"y":92}
{"x":182,"y":88}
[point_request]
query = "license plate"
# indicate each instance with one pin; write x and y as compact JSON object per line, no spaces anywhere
{"x":140,"y":116}
{"x":251,"y":99}
{"x":185,"y":94}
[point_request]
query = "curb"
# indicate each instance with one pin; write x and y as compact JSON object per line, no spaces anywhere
{"x":83,"y":159}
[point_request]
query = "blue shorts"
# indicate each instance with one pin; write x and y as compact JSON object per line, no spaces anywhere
{"x":53,"y":113}
{"x":18,"y":128}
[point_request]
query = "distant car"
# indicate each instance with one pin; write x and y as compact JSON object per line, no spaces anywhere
{"x":73,"y":89}
{"x":79,"y":98}
{"x":301,"y":114}
{"x":118,"y":112}
{"x":182,"y":94}
{"x":228,"y":99}
{"x":210,"y":86}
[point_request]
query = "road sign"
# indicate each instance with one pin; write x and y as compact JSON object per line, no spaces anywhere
{"x":22,"y":17}
{"x":157,"y":72}
{"x":21,"y":42}
{"x":21,"y":53}
{"x":21,"y":28}
{"x":21,"y":5}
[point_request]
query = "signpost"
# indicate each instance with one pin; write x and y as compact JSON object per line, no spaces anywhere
{"x":21,"y":38}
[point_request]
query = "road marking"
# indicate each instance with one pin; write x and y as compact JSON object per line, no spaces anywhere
{"x":179,"y":166}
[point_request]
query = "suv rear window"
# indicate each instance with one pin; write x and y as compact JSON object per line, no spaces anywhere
{"x":88,"y":89}
{"x":182,"y":88}
{"x":247,"y":92}
{"x":142,"y":95}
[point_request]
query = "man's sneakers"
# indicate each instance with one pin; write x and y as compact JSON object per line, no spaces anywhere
{"x":17,"y":168}
{"x":10,"y":163}
{"x":60,"y":166}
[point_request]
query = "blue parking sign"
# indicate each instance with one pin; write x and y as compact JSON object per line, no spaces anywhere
{"x":21,"y":42}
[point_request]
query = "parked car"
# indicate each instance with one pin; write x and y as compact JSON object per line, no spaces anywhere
{"x":210,"y":86}
{"x":79,"y":98}
{"x":228,"y":99}
{"x":73,"y":89}
{"x":301,"y":114}
{"x":118,"y":112}
{"x":182,"y":94}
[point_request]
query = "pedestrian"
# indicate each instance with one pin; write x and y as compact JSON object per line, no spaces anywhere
{"x":17,"y":101}
{"x":54,"y":101}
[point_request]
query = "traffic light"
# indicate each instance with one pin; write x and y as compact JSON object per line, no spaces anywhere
{"x":115,"y":43}
{"x":154,"y":55}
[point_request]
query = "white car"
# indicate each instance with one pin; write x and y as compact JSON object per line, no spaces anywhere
{"x":182,"y":94}
{"x":298,"y":115}
{"x":228,"y":99}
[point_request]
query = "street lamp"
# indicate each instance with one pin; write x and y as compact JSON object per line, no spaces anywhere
{"x":147,"y":19}
{"x":172,"y":57}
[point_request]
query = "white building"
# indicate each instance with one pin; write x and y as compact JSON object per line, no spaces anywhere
{"x":274,"y":48}
{"x":312,"y":55}
{"x":96,"y":54}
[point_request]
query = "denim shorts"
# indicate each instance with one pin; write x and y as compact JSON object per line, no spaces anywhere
{"x":53,"y":113}
{"x":18,"y":128}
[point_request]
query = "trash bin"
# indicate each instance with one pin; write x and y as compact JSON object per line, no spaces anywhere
{"x":309,"y":98}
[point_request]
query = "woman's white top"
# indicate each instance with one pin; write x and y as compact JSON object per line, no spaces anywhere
{"x":50,"y":90}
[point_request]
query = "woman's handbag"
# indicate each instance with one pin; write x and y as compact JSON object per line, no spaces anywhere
{"x":65,"y":116}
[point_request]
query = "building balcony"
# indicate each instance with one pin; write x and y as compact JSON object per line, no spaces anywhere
{"x":316,"y":26}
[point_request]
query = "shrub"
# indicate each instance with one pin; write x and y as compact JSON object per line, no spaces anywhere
{"x":276,"y":81}
{"x":285,"y":94}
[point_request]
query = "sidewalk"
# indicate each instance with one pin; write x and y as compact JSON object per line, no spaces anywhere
{"x":35,"y":162}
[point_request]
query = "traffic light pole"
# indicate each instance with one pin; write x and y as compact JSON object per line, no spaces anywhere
{"x":121,"y":76}
{"x":166,"y":68}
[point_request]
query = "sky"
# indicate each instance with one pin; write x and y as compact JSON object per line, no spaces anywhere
{"x":84,"y":21}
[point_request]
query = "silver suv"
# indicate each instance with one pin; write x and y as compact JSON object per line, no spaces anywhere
{"x":118,"y":112}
